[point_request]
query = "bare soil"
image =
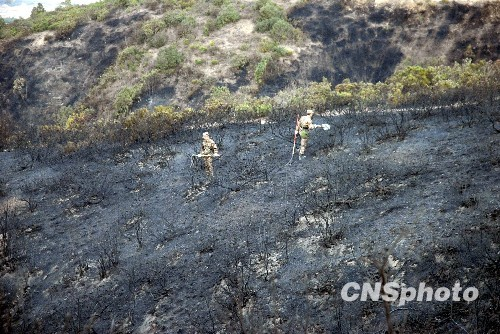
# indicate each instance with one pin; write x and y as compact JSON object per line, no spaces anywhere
{"x":365,"y":42}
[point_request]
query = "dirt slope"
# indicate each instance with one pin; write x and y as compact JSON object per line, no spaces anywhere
{"x":368,"y":43}
{"x":365,"y":42}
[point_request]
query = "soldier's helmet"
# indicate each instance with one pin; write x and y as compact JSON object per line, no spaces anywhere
{"x":205,"y":134}
{"x":310,"y":112}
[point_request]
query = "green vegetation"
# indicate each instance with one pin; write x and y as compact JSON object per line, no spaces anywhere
{"x":126,"y":98}
{"x":274,"y":48}
{"x":261,"y":70}
{"x":160,"y":47}
{"x":227,"y":14}
{"x":181,"y":20}
{"x":176,"y":4}
{"x":272,"y":19}
{"x":219,"y":101}
{"x":63,"y":20}
{"x":152,"y":27}
{"x":144,"y":125}
{"x":271,"y":52}
{"x":252,"y":108}
{"x":409,"y":86}
{"x":169,"y":59}
{"x":130,"y":58}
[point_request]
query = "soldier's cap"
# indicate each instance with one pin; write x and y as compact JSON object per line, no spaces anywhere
{"x":205,"y":134}
{"x":310,"y":111}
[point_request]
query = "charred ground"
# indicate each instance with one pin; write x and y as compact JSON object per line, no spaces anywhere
{"x":133,"y":238}
{"x":136,"y":240}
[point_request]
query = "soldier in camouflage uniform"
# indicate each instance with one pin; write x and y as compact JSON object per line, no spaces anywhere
{"x":303,"y":126}
{"x":208,"y":151}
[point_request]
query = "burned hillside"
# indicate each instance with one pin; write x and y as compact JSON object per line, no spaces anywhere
{"x":136,"y":239}
{"x":110,"y":223}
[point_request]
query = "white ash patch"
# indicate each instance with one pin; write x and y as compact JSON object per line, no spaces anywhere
{"x":265,"y":266}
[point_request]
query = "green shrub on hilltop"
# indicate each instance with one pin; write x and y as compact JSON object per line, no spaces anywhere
{"x":225,"y":15}
{"x":144,"y":125}
{"x":316,"y":95}
{"x":126,"y":97}
{"x":345,"y":93}
{"x":268,"y":64}
{"x":74,"y":118}
{"x":130,"y":58}
{"x":251,"y":108}
{"x":126,"y":3}
{"x":276,"y":50}
{"x":273,"y":20}
{"x":268,"y":14}
{"x":228,"y":14}
{"x":219,"y":101}
{"x":410,"y":84}
{"x":261,"y":70}
{"x":63,"y":20}
{"x":179,"y":19}
{"x":169,"y":58}
{"x":177,"y":4}
{"x":152,"y":27}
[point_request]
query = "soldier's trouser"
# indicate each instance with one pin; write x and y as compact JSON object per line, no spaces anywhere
{"x":303,"y":145}
{"x":209,"y":168}
{"x":304,"y":136}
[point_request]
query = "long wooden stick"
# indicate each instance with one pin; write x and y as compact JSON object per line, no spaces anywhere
{"x":294,"y":139}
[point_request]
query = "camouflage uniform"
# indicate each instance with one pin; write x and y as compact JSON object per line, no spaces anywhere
{"x":208,"y":150}
{"x":305,"y":124}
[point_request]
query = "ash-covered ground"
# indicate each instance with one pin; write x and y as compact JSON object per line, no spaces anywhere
{"x":136,"y":239}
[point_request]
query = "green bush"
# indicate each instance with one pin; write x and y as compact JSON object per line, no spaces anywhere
{"x":238,"y":62}
{"x":271,"y":46}
{"x":144,"y":125}
{"x":317,"y":95}
{"x":282,"y":30}
{"x":184,"y":23}
{"x":37,"y":10}
{"x":63,"y":20}
{"x":219,"y":101}
{"x":178,"y":4}
{"x":187,"y":26}
{"x":227,"y":15}
{"x":126,"y":3}
{"x":126,"y":98}
{"x":152,"y":27}
{"x":253,"y":108}
{"x":269,"y":14}
{"x":130,"y":58}
{"x":261,"y":70}
{"x":174,"y":18}
{"x":272,"y":18}
{"x":411,"y":83}
{"x":345,"y":93}
{"x":169,"y":59}
{"x":157,"y":41}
